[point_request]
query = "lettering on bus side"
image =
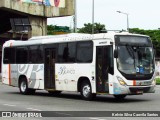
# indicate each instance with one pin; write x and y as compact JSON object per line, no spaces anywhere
{"x":63,"y":70}
{"x":103,"y":42}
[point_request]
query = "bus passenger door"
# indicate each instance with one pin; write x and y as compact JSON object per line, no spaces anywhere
{"x":103,"y":61}
{"x":50,"y":58}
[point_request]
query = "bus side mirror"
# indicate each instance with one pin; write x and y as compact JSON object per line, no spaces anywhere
{"x":115,"y":54}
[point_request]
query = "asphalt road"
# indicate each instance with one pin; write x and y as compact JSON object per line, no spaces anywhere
{"x":12,"y":100}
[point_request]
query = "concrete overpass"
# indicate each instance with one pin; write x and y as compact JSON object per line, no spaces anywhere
{"x":36,"y":10}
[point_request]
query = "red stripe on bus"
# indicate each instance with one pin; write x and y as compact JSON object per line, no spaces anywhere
{"x":10,"y":44}
{"x":9,"y":70}
{"x":9,"y":74}
{"x":134,"y":82}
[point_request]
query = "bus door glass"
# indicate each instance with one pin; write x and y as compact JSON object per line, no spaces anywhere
{"x":50,"y":59}
{"x":104,"y":65}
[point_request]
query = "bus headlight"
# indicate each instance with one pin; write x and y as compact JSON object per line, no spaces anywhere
{"x":121,"y":81}
{"x":154,"y":82}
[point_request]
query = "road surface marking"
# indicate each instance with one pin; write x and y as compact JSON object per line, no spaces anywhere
{"x":9,"y":105}
{"x":34,"y":109}
{"x":97,"y":119}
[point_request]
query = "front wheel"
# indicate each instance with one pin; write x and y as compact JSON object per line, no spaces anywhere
{"x":86,"y":91}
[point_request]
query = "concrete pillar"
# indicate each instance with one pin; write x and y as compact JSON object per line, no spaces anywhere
{"x":69,"y":8}
{"x":39,"y":26}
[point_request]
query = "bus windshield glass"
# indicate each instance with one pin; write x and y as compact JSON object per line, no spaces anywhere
{"x":135,"y":59}
{"x":135,"y":56}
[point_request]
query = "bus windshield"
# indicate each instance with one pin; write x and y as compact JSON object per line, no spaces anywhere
{"x":135,"y":59}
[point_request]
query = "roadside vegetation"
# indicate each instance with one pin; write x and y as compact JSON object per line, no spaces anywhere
{"x":157,"y":81}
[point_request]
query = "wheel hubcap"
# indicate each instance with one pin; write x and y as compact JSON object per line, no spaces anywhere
{"x":23,"y":86}
{"x":86,"y":90}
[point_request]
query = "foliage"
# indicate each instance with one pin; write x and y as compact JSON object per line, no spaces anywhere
{"x":157,"y":81}
{"x":98,"y":28}
{"x":53,"y":29}
{"x":50,"y":29}
{"x":155,"y":37}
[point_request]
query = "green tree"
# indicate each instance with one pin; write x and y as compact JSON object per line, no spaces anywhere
{"x":155,"y":37}
{"x":98,"y":28}
{"x":53,"y":29}
{"x":50,"y":29}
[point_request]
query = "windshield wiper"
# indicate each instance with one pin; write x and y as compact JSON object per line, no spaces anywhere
{"x":131,"y":53}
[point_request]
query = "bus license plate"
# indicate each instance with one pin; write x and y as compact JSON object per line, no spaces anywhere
{"x":147,"y":83}
{"x":139,"y":92}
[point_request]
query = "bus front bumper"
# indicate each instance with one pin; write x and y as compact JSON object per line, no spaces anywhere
{"x":134,"y":90}
{"x":141,"y":90}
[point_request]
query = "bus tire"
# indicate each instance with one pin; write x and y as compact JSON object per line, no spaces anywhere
{"x":120,"y":97}
{"x":23,"y":86}
{"x":86,"y":91}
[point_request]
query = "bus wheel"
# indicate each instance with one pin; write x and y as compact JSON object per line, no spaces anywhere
{"x":23,"y":86}
{"x":120,"y":97}
{"x":86,"y":91}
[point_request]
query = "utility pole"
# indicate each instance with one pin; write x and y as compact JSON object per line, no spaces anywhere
{"x":92,"y":16}
{"x":75,"y":16}
{"x":127,"y":19}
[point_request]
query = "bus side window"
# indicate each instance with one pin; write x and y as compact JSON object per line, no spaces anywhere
{"x":62,"y":52}
{"x":36,"y":54}
{"x":67,"y":52}
{"x":21,"y":55}
{"x":72,"y":52}
{"x":9,"y":56}
{"x":84,"y":52}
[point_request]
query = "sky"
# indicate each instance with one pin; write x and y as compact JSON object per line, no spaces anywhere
{"x":143,"y":14}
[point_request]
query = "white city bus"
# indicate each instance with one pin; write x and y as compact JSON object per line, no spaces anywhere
{"x":119,"y":64}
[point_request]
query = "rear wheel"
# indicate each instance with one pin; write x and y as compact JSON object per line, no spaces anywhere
{"x":23,"y":87}
{"x":86,"y":91}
